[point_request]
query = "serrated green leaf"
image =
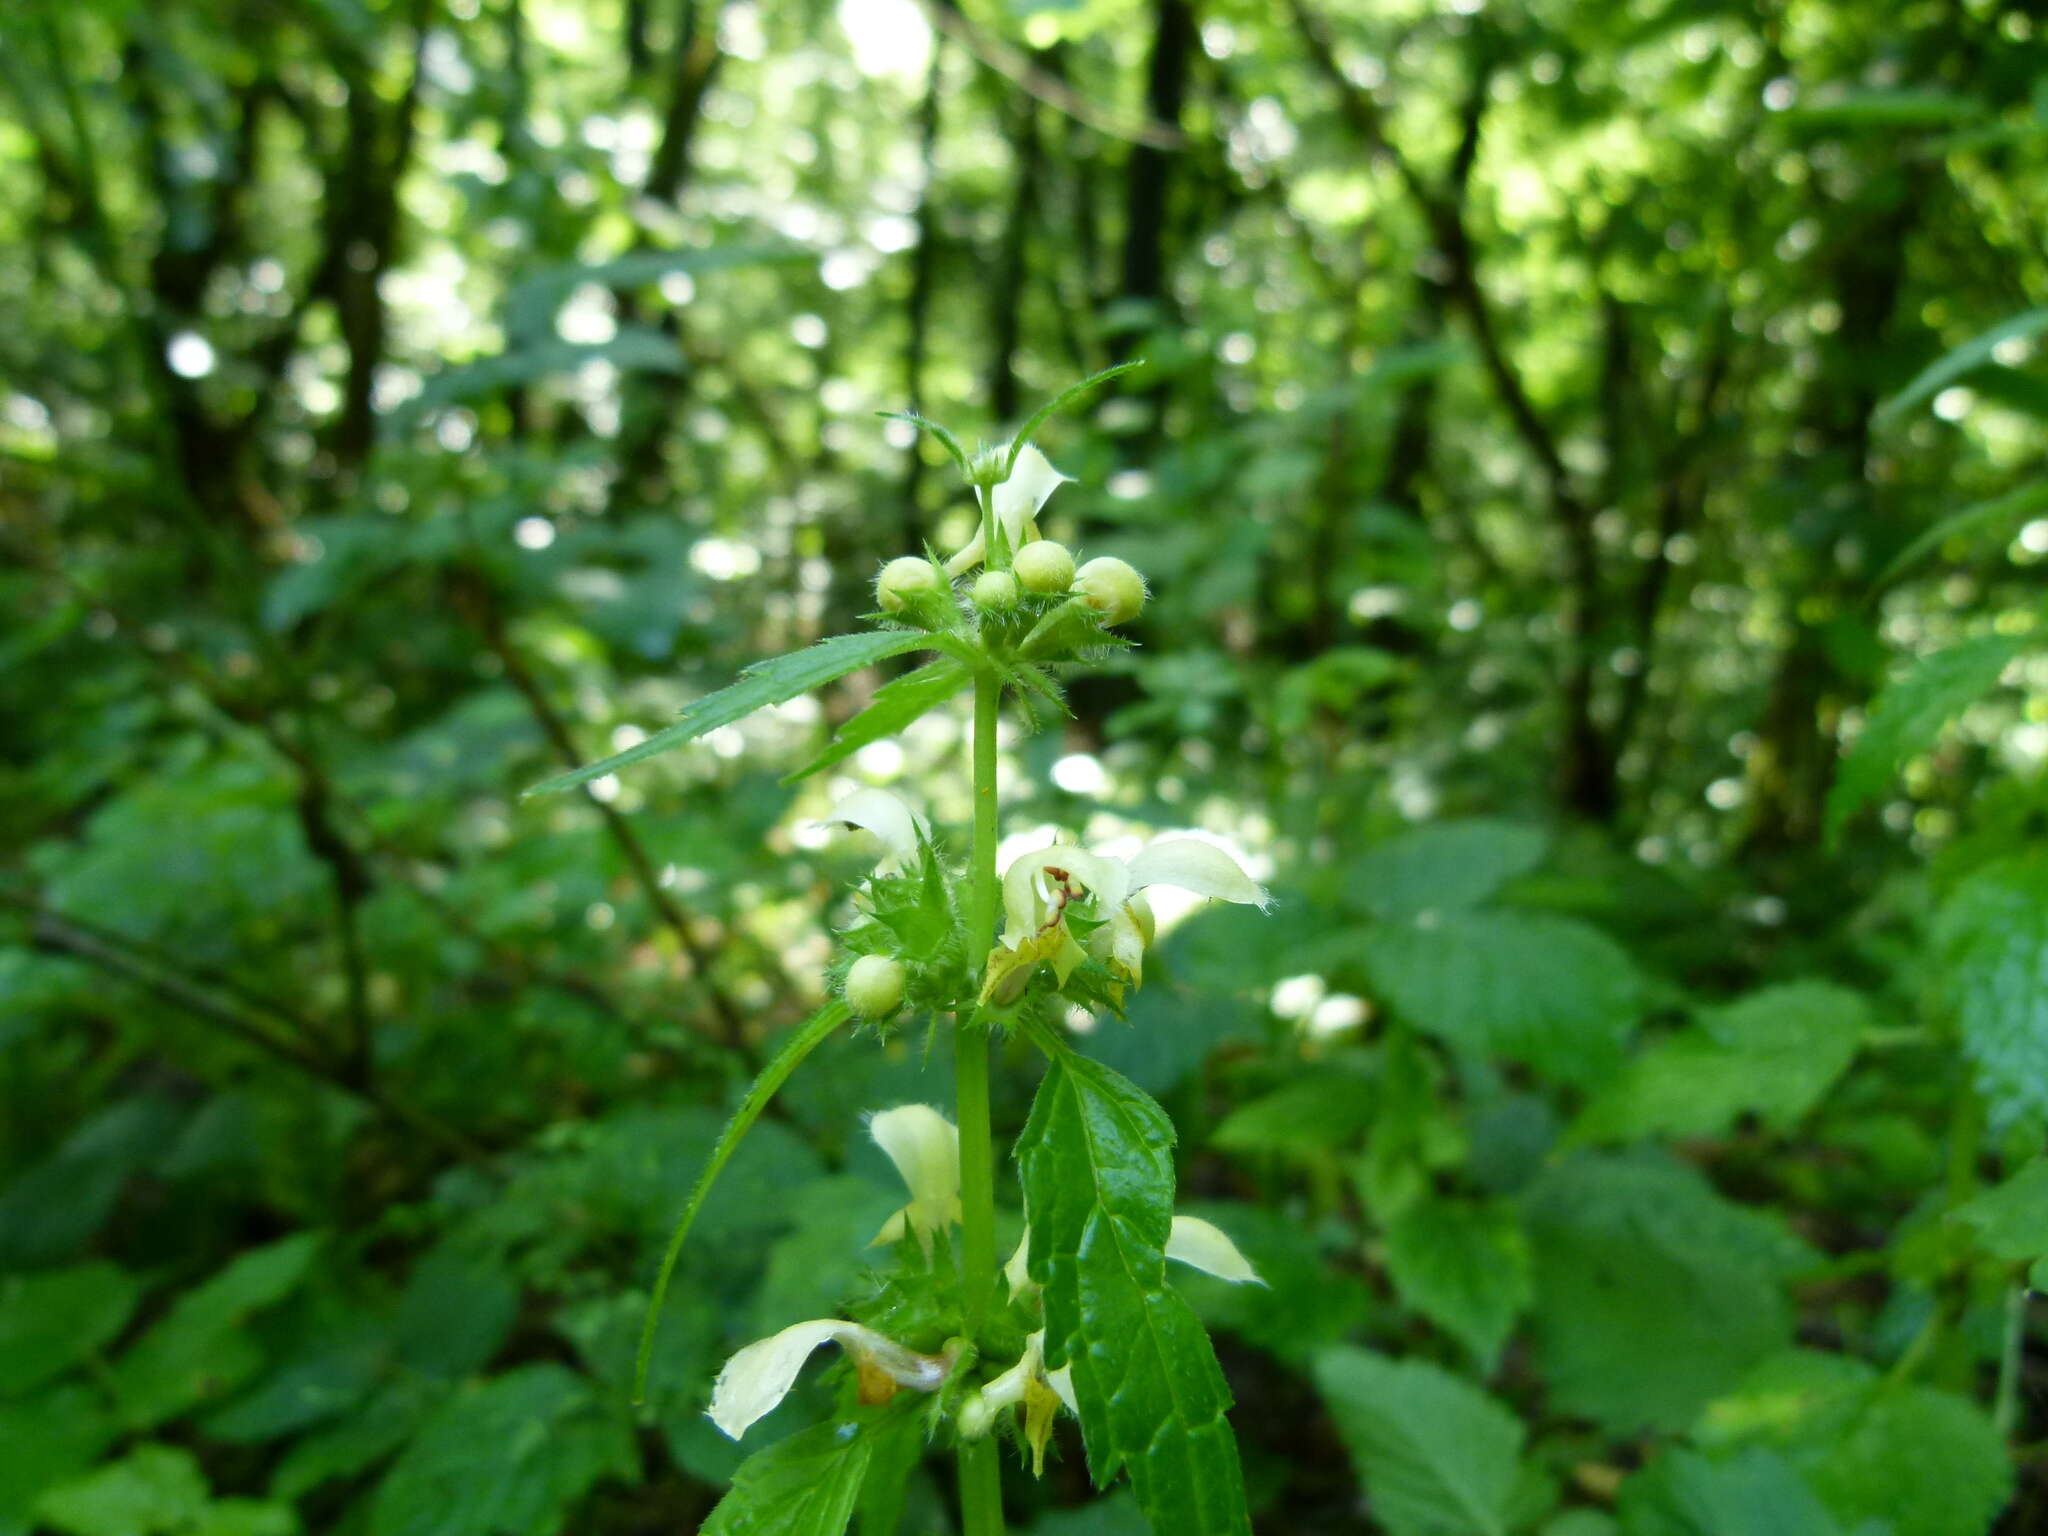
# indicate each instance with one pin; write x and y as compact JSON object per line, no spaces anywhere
{"x":1465,"y":1266}
{"x":774,"y":681}
{"x":1959,"y":361}
{"x":1755,"y":1494}
{"x":1551,"y":992}
{"x":201,"y":1350}
{"x":510,"y":1455}
{"x":1438,"y":1457}
{"x":895,"y":705}
{"x":1918,"y":1460}
{"x":1316,"y":1114}
{"x":1445,"y":866}
{"x":1993,"y":933}
{"x":2011,"y":1221}
{"x":1097,"y":1163}
{"x":1773,"y":1054}
{"x":357,"y":1442}
{"x":456,"y":1311}
{"x":1653,"y":1294}
{"x":1909,"y":716}
{"x":51,"y":1320}
{"x":153,"y":1488}
{"x":806,"y":1485}
{"x":50,"y":1439}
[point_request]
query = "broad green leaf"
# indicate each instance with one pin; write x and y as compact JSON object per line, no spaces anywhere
{"x":1921,"y":1461}
{"x":895,"y":705}
{"x":1097,"y":1164}
{"x":456,"y":1311}
{"x":1318,"y":1113}
{"x":356,"y":1442}
{"x":1958,"y":362}
{"x":766,"y":682}
{"x":52,"y":1319}
{"x":201,"y":1351}
{"x":1438,"y":1457}
{"x":1551,"y":992}
{"x":1754,"y":1494}
{"x":1993,"y":933}
{"x":245,"y":1517}
{"x":803,"y":1486}
{"x":2011,"y":1221}
{"x":333,"y":1358}
{"x":1445,"y":866}
{"x":1653,"y":1294}
{"x":153,"y":1488}
{"x":1465,"y":1266}
{"x":813,"y":1033}
{"x":1773,"y":1054}
{"x":1909,"y":716}
{"x":49,"y":1440}
{"x":509,"y":1455}
{"x":52,"y":1210}
{"x":2001,"y":513}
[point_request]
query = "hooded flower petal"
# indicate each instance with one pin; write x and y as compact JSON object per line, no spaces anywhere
{"x":1120,"y":942}
{"x":879,"y":812}
{"x":1018,"y":1271}
{"x":925,"y":1147}
{"x":1037,"y":887}
{"x":760,"y":1376}
{"x":1193,"y":865}
{"x":1016,"y":502}
{"x":1198,"y":1244}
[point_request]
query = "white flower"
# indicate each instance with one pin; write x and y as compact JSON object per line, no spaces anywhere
{"x":1016,"y":502}
{"x":1038,"y":887}
{"x":760,"y":1376}
{"x":1028,"y":1382}
{"x":925,"y":1147}
{"x":1191,"y":1241}
{"x":892,"y":822}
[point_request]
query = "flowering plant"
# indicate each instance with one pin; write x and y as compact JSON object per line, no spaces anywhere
{"x":1081,"y":1320}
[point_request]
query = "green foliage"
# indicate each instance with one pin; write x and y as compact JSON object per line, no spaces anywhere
{"x":51,"y":1320}
{"x":1994,"y":935}
{"x":1464,"y":1265}
{"x":1096,"y":1160}
{"x":1438,"y":1457}
{"x":805,"y":1486}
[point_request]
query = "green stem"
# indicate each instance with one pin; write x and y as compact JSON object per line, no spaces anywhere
{"x":981,"y":1501}
{"x":2005,"y":1407}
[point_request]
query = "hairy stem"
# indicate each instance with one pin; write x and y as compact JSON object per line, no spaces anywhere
{"x":981,"y":1503}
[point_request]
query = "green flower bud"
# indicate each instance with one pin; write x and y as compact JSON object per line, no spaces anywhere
{"x":874,"y":986}
{"x":995,"y":592}
{"x":1044,"y":567}
{"x":1112,"y":588}
{"x":910,"y":582}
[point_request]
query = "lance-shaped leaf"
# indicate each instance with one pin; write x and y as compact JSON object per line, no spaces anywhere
{"x":893,"y":707}
{"x":766,"y":682}
{"x":1097,"y":1163}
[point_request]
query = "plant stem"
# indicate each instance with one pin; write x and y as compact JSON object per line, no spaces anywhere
{"x":981,"y":1501}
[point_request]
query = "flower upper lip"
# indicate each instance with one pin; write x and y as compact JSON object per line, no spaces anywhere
{"x":1016,"y":503}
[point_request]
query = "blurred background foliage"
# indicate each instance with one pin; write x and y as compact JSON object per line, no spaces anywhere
{"x":1589,"y":467}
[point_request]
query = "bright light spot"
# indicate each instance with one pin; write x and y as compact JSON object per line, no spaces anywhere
{"x":586,"y":318}
{"x":1296,"y":996}
{"x":842,"y":270}
{"x":1725,"y":794}
{"x":898,"y":434}
{"x":726,"y":741}
{"x":1335,"y":1014}
{"x":890,"y":233}
{"x":600,"y":916}
{"x":1464,"y":615}
{"x":626,"y":737}
{"x":455,"y":431}
{"x":1237,"y":348}
{"x":190,"y":355}
{"x":808,"y":331}
{"x":1219,"y":39}
{"x":725,"y":559}
{"x":2034,"y":537}
{"x":605,"y":788}
{"x":2013,"y":351}
{"x":883,"y":759}
{"x":1129,"y":484}
{"x":678,"y":288}
{"x":1954,"y":403}
{"x":1780,"y":93}
{"x":1080,"y":773}
{"x":533,"y":533}
{"x":1080,"y":1021}
{"x":889,"y":37}
{"x":1369,"y":603}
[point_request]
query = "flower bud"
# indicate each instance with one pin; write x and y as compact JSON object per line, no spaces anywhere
{"x":1112,"y":588}
{"x":909,"y":582}
{"x":995,"y":592}
{"x":874,"y":986}
{"x":1044,"y":567}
